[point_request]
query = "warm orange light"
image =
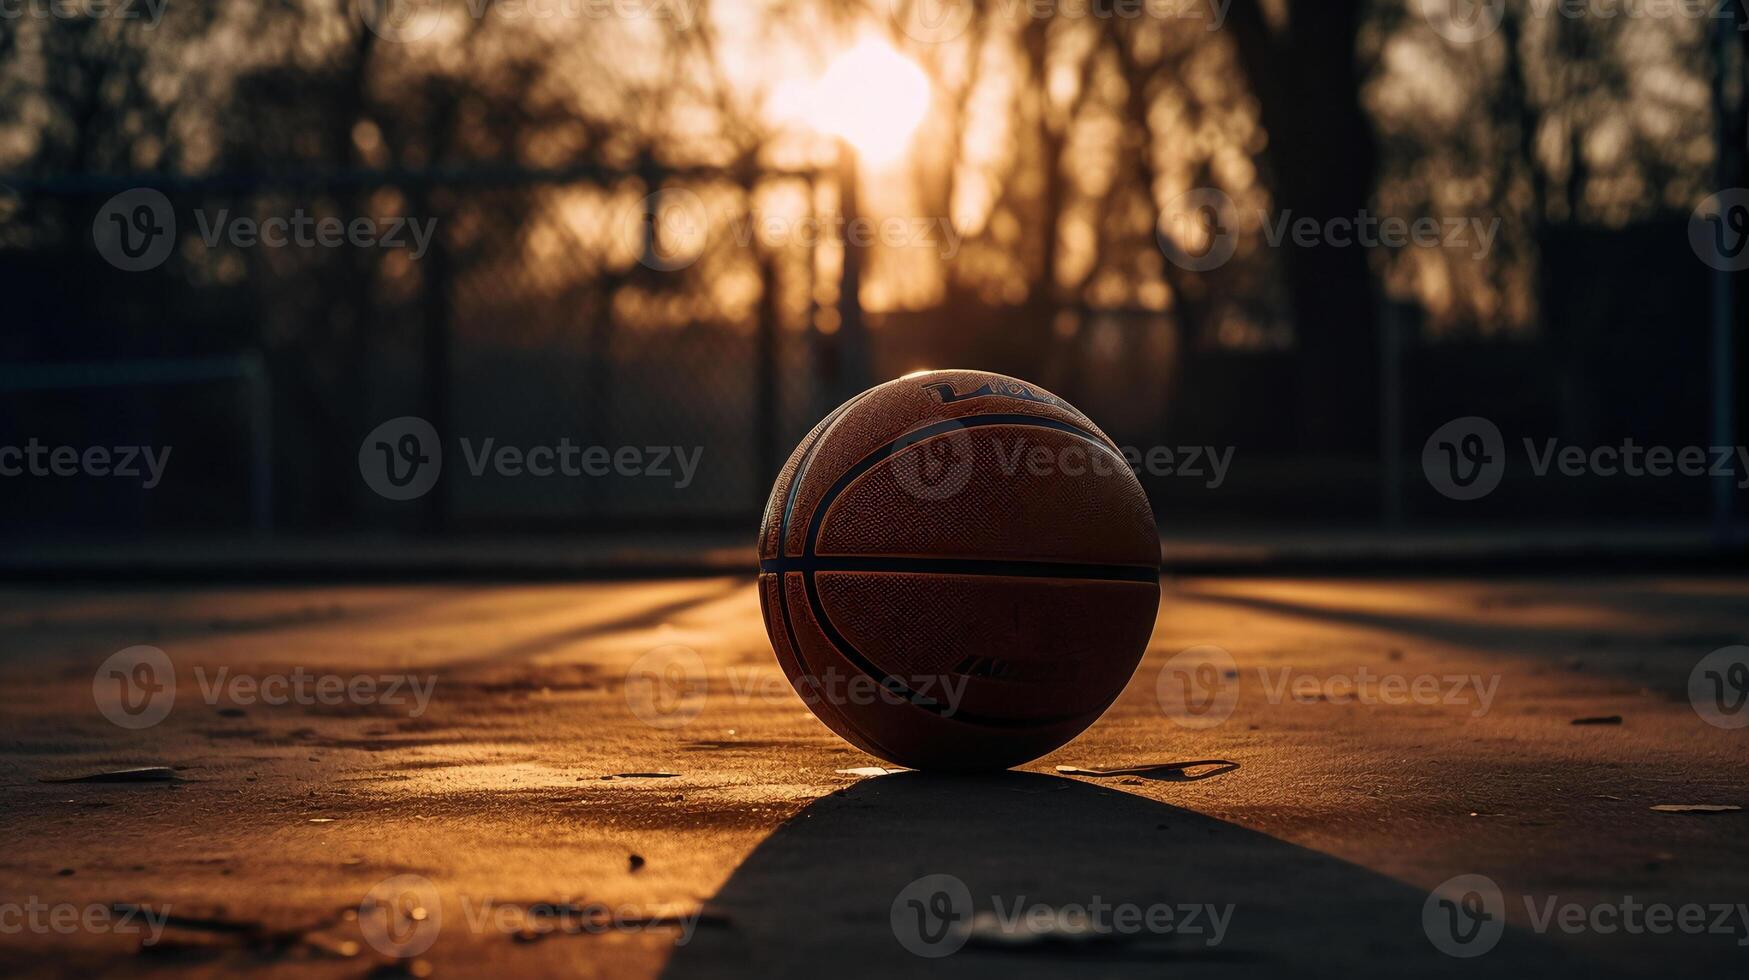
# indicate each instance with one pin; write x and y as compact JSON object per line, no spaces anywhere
{"x":871,"y":96}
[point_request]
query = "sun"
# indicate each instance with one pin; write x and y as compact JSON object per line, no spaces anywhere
{"x":870,"y":96}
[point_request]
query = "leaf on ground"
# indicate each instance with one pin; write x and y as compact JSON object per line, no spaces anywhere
{"x":1177,"y":772}
{"x":144,"y":774}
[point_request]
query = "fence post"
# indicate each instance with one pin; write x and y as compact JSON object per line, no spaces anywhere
{"x":1728,"y":173}
{"x":852,"y":346}
{"x":1394,"y":320}
{"x":765,"y":353}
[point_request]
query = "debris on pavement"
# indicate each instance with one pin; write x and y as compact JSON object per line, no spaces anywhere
{"x":401,"y":968}
{"x":986,"y":929}
{"x":185,"y":934}
{"x":543,"y":919}
{"x":143,"y":774}
{"x":1068,"y":929}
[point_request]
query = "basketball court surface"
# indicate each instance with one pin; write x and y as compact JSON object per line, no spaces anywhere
{"x":615,"y":780}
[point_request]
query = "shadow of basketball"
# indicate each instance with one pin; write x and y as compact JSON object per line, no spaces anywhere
{"x":822,"y":895}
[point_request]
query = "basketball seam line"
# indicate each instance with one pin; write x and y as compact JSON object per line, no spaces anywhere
{"x":909,"y":439}
{"x":792,"y":639}
{"x":795,"y":480}
{"x":789,"y":503}
{"x":971,"y":567}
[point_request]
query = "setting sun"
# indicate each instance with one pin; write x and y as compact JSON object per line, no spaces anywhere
{"x":871,"y":96}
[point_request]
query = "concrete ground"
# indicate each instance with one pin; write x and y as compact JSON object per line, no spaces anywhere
{"x":574,"y":794}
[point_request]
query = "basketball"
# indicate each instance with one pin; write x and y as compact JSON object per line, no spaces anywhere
{"x":958,"y":571}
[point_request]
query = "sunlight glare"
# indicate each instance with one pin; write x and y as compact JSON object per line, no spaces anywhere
{"x":871,"y":96}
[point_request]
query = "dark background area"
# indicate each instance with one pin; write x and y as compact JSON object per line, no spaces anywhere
{"x":1324,"y":369}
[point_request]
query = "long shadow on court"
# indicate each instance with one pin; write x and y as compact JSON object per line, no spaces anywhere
{"x":1662,"y":617}
{"x":822,"y":895}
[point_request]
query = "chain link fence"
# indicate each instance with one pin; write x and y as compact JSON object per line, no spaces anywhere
{"x":645,"y":318}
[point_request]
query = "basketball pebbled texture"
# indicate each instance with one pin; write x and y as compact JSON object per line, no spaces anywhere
{"x":958,"y":571}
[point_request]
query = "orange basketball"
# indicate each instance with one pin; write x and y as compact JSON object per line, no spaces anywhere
{"x":958,"y":570}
